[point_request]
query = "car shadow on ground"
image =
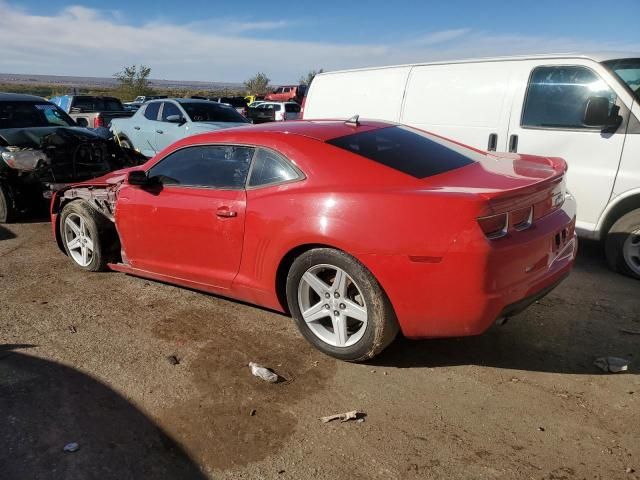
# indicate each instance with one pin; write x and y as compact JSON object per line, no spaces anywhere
{"x":557,"y":335}
{"x":46,"y":405}
{"x":6,"y":234}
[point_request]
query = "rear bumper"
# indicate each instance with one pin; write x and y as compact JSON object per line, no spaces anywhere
{"x":478,"y":281}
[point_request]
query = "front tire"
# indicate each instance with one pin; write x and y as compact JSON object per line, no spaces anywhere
{"x":86,"y":236}
{"x":622,"y":245}
{"x":126,"y":143}
{"x":8,"y":210}
{"x":339,"y":306}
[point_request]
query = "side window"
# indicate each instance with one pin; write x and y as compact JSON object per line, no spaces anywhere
{"x":213,"y":166}
{"x":169,"y":109}
{"x":269,"y":167}
{"x":151,"y":112}
{"x":557,"y":96}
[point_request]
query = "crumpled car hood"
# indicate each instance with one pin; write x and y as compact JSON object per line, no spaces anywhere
{"x":31,"y":137}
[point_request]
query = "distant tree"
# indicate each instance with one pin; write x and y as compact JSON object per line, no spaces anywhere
{"x":308,"y":78}
{"x":258,"y":84}
{"x":134,"y":81}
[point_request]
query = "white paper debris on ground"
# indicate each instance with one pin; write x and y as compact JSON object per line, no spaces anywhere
{"x":343,"y":417}
{"x":71,"y":447}
{"x":612,"y":364}
{"x":263,"y":373}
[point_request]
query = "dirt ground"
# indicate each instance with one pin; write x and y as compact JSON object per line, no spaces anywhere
{"x":83,"y":358}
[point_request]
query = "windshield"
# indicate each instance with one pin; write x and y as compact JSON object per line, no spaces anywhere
{"x":627,"y":70}
{"x":30,"y":114}
{"x":211,"y":112}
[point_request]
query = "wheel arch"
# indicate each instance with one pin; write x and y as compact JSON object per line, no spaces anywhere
{"x":285,"y":265}
{"x":629,"y":202}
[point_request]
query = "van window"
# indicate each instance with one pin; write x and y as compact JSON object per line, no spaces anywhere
{"x":557,"y":96}
{"x":405,"y":149}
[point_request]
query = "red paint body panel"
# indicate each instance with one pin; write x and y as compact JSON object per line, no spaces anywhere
{"x":419,"y":237}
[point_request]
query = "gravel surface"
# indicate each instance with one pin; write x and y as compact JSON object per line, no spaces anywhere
{"x":151,"y":381}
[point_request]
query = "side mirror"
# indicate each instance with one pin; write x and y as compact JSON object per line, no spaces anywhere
{"x":138,"y":177}
{"x":179,"y":119}
{"x":596,"y":114}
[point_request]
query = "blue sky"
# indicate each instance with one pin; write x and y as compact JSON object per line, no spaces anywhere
{"x":229,"y":41}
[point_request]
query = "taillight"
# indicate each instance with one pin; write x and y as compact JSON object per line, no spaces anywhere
{"x":495,"y":226}
{"x":98,"y":121}
{"x":521,"y":219}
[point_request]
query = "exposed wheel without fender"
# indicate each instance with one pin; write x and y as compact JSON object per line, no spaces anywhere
{"x":87,"y":236}
{"x":339,"y":306}
{"x":622,"y":245}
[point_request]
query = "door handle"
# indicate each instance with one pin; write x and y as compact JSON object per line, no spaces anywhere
{"x":136,"y":128}
{"x":159,"y":131}
{"x":493,"y":142}
{"x":224,"y":212}
{"x":513,"y":143}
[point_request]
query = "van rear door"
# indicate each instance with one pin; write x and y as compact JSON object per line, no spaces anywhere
{"x":469,"y":102}
{"x":548,"y":119}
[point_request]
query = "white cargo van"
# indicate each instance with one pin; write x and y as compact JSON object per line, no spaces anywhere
{"x":583,"y":108}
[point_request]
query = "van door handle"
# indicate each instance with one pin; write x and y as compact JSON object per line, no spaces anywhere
{"x":493,"y":142}
{"x":136,"y":128}
{"x":159,"y":131}
{"x":513,"y":143}
{"x":224,"y":212}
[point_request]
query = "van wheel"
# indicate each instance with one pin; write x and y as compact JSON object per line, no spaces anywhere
{"x":622,"y":245}
{"x":8,"y":210}
{"x":339,"y":306}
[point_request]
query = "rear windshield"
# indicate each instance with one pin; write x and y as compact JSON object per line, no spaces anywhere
{"x":211,"y":112}
{"x":97,"y":104}
{"x":404,"y":149}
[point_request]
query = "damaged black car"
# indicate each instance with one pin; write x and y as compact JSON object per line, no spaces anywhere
{"x":42,"y":150}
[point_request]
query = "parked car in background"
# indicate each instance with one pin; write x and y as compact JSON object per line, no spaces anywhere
{"x":273,"y":112}
{"x":42,"y":149}
{"x":357,"y":229}
{"x":239,"y":103}
{"x":140,"y":100}
{"x":290,"y":93}
{"x":91,"y":111}
{"x":583,"y":108}
{"x":159,"y":123}
{"x":253,"y":98}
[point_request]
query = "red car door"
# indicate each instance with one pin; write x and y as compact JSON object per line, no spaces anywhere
{"x":188,"y":223}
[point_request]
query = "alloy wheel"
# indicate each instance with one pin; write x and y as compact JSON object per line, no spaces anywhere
{"x":78,"y":239}
{"x":332,"y":305}
{"x":631,"y":251}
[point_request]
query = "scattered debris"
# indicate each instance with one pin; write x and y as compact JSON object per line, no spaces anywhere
{"x":173,"y":360}
{"x":541,"y":429}
{"x":385,"y":373}
{"x":360,"y":420}
{"x":73,"y":329}
{"x":71,"y":447}
{"x":252,"y":413}
{"x":612,"y":364}
{"x":629,"y":470}
{"x":280,"y":472}
{"x":630,"y":331}
{"x":344,"y":417}
{"x":515,"y":379}
{"x":263,"y":373}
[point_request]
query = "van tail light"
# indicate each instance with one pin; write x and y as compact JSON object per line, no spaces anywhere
{"x":98,"y":121}
{"x":495,"y":226}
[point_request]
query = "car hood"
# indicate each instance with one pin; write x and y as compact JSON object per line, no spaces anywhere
{"x":31,"y":137}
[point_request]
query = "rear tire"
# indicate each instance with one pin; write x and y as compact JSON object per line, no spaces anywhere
{"x":8,"y":210}
{"x":88,"y":237}
{"x":346,"y":315}
{"x":622,"y":245}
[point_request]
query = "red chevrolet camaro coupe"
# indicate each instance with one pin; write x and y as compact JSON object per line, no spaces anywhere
{"x":357,"y":229}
